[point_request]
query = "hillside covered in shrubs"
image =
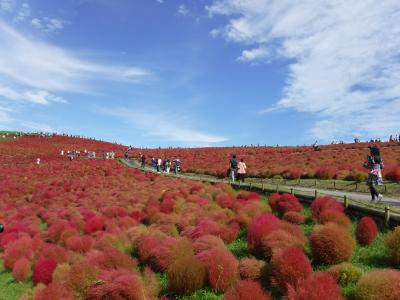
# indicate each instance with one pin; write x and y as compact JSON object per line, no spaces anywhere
{"x":94,"y":229}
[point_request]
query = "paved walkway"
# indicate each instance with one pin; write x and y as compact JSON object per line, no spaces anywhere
{"x":353,"y":196}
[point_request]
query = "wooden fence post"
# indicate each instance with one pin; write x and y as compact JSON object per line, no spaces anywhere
{"x":292,"y":191}
{"x":262,"y":186}
{"x":387,"y":215}
{"x":250,"y":185}
{"x":316,"y":193}
{"x":345,"y":201}
{"x":334,"y":184}
{"x":277,"y":188}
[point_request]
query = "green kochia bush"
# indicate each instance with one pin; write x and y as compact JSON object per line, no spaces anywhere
{"x":345,"y":273}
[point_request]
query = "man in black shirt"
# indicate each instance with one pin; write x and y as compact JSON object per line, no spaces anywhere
{"x":233,"y":164}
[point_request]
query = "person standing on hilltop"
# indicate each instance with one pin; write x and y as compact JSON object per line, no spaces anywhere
{"x":241,"y":170}
{"x":375,"y":165}
{"x":233,"y":164}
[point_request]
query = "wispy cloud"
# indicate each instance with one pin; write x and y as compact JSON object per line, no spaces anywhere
{"x":7,"y":5}
{"x":343,"y":58}
{"x":40,"y":65}
{"x":167,"y":127}
{"x":183,"y":10}
{"x":255,"y":54}
{"x":160,"y":1}
{"x":34,"y":96}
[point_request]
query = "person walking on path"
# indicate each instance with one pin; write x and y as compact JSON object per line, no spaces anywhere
{"x":159,"y":162}
{"x":177,"y":166}
{"x":241,"y":170}
{"x":143,"y":161}
{"x":375,"y":165}
{"x":154,"y":164}
{"x":167,"y":166}
{"x":233,"y":165}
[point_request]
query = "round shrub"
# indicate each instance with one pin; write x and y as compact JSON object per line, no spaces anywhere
{"x":222,"y":268}
{"x":82,"y":275}
{"x":294,"y":217}
{"x":259,"y":228}
{"x":207,"y":242}
{"x":246,"y":290}
{"x":225,"y":200}
{"x":94,"y":224}
{"x":288,"y":202}
{"x":392,"y":244}
{"x":186,"y":275}
{"x":21,"y":269}
{"x":43,"y":271}
{"x":277,"y":241}
{"x":289,"y":268}
{"x":317,"y":286}
{"x":250,"y":268}
{"x":335,"y":216}
{"x":246,"y":213}
{"x":273,"y":200}
{"x":367,"y":230}
{"x":117,"y":285}
{"x":324,"y":203}
{"x":331,"y":244}
{"x":345,"y":273}
{"x":171,"y":249}
{"x":53,"y":291}
{"x":379,"y":284}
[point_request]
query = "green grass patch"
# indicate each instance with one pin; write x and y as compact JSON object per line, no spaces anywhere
{"x":9,"y":288}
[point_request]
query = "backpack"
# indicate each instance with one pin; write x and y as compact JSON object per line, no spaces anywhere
{"x":234,"y":164}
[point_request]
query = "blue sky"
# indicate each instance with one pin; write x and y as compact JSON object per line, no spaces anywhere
{"x":201,"y":72}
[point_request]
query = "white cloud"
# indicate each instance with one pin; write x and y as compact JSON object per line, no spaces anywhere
{"x":23,"y":12}
{"x":344,"y":58}
{"x":164,"y":126}
{"x":34,"y":96}
{"x":260,"y":53}
{"x":160,"y":1}
{"x":39,"y":65}
{"x":183,"y":10}
{"x":7,"y":5}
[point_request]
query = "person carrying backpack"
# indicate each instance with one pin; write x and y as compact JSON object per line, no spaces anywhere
{"x":375,"y":165}
{"x":233,"y":165}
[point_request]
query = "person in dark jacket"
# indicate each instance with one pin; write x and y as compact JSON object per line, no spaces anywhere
{"x":375,"y":165}
{"x":233,"y":165}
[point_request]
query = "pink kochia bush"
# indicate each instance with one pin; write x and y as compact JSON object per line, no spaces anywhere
{"x":222,"y":268}
{"x":317,"y":286}
{"x":260,"y":227}
{"x":290,"y":268}
{"x":246,"y":290}
{"x":331,"y":244}
{"x":43,"y":271}
{"x":288,"y":202}
{"x":367,"y":230}
{"x":250,"y":268}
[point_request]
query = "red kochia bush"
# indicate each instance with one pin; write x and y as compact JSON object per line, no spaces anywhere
{"x":246,"y":290}
{"x":250,"y":268}
{"x":394,"y":174}
{"x":53,"y":291}
{"x":335,"y":216}
{"x":225,"y":200}
{"x":379,"y":284}
{"x":367,"y":230}
{"x":43,"y":271}
{"x":290,"y":267}
{"x":331,"y":244}
{"x":317,"y":286}
{"x":117,"y":285}
{"x":207,"y":242}
{"x":259,"y":228}
{"x":324,"y":203}
{"x":273,"y":200}
{"x":222,"y":268}
{"x":294,"y":217}
{"x":288,"y":202}
{"x":80,"y":244}
{"x":21,"y":269}
{"x":94,"y":224}
{"x":186,"y":275}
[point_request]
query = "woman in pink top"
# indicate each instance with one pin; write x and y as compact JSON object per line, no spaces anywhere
{"x":241,"y":170}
